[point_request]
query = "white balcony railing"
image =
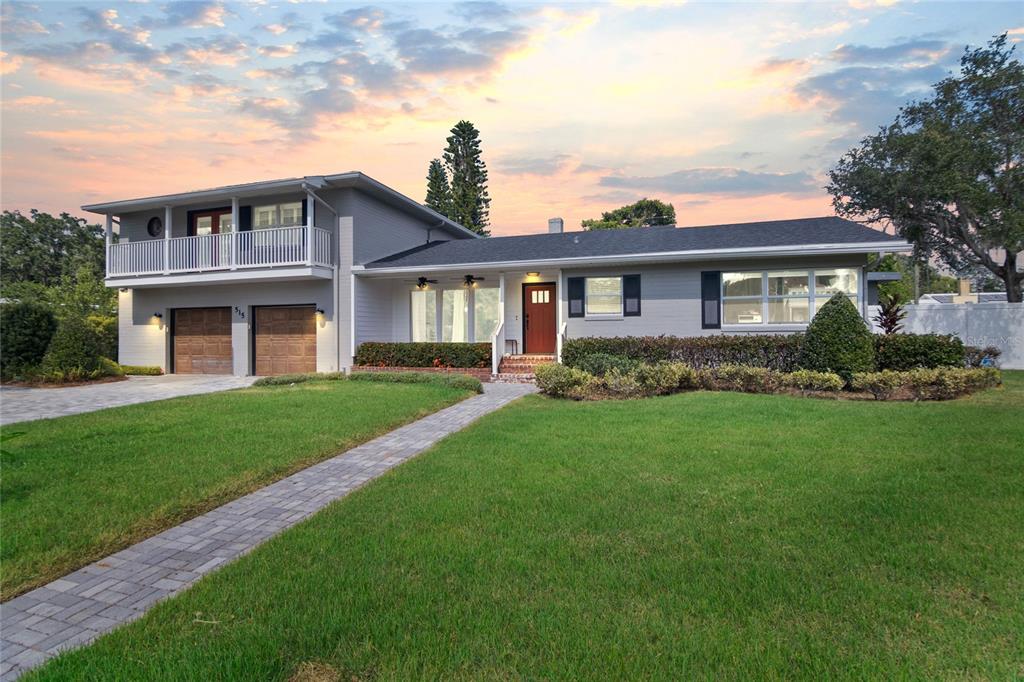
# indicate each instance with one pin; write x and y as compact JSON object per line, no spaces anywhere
{"x":264,"y":248}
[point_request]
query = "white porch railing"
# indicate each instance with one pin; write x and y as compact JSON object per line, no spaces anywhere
{"x":264,"y":248}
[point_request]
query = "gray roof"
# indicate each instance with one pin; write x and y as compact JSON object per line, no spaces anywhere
{"x":803,"y":232}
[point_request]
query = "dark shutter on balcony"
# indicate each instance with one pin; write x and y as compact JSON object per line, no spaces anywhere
{"x":244,"y":218}
{"x":711,"y":299}
{"x":631,"y":295}
{"x":576,"y":294}
{"x":305,"y":211}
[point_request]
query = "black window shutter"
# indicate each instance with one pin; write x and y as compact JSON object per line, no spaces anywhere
{"x":711,"y":299}
{"x":305,"y":211}
{"x":631,"y":295}
{"x":244,"y":218}
{"x":576,"y":293}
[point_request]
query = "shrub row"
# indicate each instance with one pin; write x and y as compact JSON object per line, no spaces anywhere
{"x":774,"y":351}
{"x":459,"y":381}
{"x":672,"y":377}
{"x":902,"y":352}
{"x":142,"y":370}
{"x":382,"y":354}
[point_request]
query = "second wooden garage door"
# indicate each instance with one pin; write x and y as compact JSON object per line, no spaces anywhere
{"x":285,"y":340}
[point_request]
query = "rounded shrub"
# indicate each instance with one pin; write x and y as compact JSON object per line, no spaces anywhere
{"x":558,"y":380}
{"x":26,"y":329}
{"x":838,"y":340}
{"x":74,"y":351}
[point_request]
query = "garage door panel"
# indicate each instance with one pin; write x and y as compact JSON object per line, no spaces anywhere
{"x":285,"y":340}
{"x":202,"y":341}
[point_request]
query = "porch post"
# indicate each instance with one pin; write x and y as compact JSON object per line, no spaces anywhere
{"x":110,"y":239}
{"x":168,"y":220}
{"x":233,"y":239}
{"x":309,"y":228}
{"x":558,"y":318}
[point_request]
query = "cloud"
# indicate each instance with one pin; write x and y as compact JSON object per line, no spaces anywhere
{"x":16,"y":20}
{"x":31,"y":102}
{"x":546,"y":165}
{"x":718,"y":181}
{"x":9,"y":63}
{"x":484,"y":12}
{"x":189,"y":14}
{"x":776,"y":65}
{"x":277,"y":51}
{"x":917,"y":51}
{"x":220,"y":51}
{"x":289,"y":21}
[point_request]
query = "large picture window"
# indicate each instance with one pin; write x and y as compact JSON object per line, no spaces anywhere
{"x":459,"y":314}
{"x":455,"y":315}
{"x":485,"y":313}
{"x":424,"y":315}
{"x":604,"y":296}
{"x":783,"y":296}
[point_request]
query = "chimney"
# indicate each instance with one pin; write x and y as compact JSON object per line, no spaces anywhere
{"x":555,"y":225}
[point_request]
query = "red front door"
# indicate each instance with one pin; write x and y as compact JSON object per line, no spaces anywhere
{"x":539,"y":318}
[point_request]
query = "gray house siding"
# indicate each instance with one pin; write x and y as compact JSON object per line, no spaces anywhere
{"x":381,"y":230}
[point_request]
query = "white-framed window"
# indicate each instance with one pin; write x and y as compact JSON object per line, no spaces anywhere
{"x":784,"y":297}
{"x":458,"y":314}
{"x":277,"y":215}
{"x":486,"y":313}
{"x":424,"y":315}
{"x":603,"y":296}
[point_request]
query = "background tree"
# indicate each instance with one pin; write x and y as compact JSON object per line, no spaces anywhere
{"x":929,"y":279}
{"x":644,"y":213}
{"x":41,"y":248}
{"x":439,"y":192}
{"x":471,"y":203}
{"x":948,"y":173}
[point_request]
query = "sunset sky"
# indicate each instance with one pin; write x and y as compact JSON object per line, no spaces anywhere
{"x":730,"y":111}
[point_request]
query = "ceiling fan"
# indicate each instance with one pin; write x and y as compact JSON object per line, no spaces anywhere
{"x":421,"y":282}
{"x":470,"y":280}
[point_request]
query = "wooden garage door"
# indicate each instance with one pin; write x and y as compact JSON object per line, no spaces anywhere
{"x":285,"y":340}
{"x":202,"y":341}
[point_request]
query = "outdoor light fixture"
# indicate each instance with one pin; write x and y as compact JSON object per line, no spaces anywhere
{"x":123,"y":290}
{"x":533,"y":274}
{"x":470,"y":280}
{"x":320,"y":311}
{"x":158,"y":316}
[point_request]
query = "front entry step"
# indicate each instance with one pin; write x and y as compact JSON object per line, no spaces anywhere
{"x":519,"y":369}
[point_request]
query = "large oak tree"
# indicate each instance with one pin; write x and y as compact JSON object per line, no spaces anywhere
{"x":948,"y":173}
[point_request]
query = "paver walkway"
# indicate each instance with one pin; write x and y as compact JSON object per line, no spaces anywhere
{"x":22,"y":404}
{"x":93,"y":600}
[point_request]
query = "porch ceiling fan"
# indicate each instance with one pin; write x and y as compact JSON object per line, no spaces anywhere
{"x":469,"y":280}
{"x":420,"y":282}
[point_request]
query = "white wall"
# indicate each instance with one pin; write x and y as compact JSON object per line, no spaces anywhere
{"x":977,"y":324}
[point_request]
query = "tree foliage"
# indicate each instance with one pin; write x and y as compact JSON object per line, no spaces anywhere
{"x":644,"y":213}
{"x":43,"y":249}
{"x":948,"y":173}
{"x":25,"y":332}
{"x":470,"y":202}
{"x":439,"y":192}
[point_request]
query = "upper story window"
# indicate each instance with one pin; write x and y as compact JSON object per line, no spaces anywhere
{"x":277,"y":215}
{"x":604,"y":296}
{"x":783,"y":296}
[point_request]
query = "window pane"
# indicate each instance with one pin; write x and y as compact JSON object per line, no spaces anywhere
{"x":741,"y":284}
{"x":454,"y":316}
{"x":291,"y":214}
{"x":742,"y":312}
{"x":264,"y":216}
{"x":788,"y":283}
{"x":485,"y":314}
{"x":225,"y":223}
{"x":796,"y":310}
{"x":828,"y":282}
{"x":604,"y":295}
{"x":204,"y":225}
{"x":424,"y":316}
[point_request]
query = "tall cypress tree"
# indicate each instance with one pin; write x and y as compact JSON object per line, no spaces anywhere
{"x":439,"y":193}
{"x":470,"y":201}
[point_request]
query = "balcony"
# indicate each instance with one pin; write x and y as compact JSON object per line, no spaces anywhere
{"x":270,"y":253}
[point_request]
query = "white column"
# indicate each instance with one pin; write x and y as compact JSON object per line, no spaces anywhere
{"x":558,"y":317}
{"x":309,"y":228}
{"x":233,"y":239}
{"x":110,"y":239}
{"x":168,"y":220}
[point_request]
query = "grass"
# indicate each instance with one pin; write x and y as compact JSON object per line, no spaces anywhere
{"x":75,"y":489}
{"x":701,"y":535}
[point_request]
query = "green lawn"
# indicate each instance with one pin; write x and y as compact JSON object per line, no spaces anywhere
{"x":704,"y":535}
{"x":75,"y":489}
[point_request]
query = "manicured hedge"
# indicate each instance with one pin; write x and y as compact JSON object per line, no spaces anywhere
{"x":902,"y":352}
{"x":838,"y":340}
{"x":381,"y":354}
{"x":142,"y":370}
{"x":773,"y":351}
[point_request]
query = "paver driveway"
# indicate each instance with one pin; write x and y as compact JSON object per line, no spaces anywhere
{"x":23,"y":404}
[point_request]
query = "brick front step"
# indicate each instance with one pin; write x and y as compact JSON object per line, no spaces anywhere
{"x":515,"y":378}
{"x":523,"y":364}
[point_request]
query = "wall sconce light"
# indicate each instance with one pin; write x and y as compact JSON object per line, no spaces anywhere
{"x":158,"y":316}
{"x":123,"y":290}
{"x":320,"y":312}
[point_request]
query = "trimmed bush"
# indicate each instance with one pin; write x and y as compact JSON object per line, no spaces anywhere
{"x":666,"y":377}
{"x":838,"y":340}
{"x":746,"y":379}
{"x":299,"y":378}
{"x":386,"y":354}
{"x":774,"y":351}
{"x":982,"y":357}
{"x":74,"y":352}
{"x":459,"y":381}
{"x":142,"y":370}
{"x":902,"y":352}
{"x":621,"y":384}
{"x":809,"y":380}
{"x":946,"y":383}
{"x":883,"y":385}
{"x":559,"y":380}
{"x":26,"y":330}
{"x":600,"y":364}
